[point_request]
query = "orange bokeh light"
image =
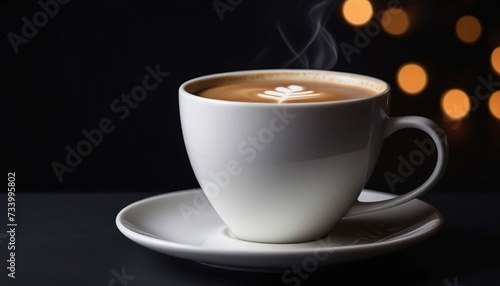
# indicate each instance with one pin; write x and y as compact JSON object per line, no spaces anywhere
{"x":468,"y":29}
{"x":412,"y":78}
{"x":494,"y":104}
{"x":395,"y":21}
{"x":357,"y":12}
{"x":495,"y":59}
{"x":455,"y":104}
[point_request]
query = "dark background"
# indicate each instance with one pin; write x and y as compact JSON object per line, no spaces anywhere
{"x":64,"y":79}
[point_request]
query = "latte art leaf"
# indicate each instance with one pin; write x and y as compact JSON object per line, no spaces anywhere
{"x":292,"y":91}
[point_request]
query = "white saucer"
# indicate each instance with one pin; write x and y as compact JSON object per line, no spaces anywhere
{"x":184,"y":225}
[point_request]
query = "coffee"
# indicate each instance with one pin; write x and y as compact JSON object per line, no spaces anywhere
{"x":284,"y":91}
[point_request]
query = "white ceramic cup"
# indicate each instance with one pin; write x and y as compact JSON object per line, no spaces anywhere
{"x":288,"y":172}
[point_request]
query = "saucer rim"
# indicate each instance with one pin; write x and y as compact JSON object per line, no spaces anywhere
{"x":149,"y":241}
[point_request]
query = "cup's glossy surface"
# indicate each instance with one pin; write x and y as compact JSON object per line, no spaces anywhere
{"x":285,"y":173}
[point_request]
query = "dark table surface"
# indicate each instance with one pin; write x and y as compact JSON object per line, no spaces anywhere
{"x":71,"y":239}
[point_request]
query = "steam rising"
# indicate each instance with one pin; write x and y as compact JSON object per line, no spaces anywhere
{"x":302,"y":40}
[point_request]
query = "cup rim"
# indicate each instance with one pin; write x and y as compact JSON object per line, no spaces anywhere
{"x":339,"y":74}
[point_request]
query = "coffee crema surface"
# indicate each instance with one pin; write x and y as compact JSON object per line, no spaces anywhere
{"x":283,"y":91}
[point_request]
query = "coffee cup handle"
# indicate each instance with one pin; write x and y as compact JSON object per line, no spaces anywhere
{"x":391,"y":125}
